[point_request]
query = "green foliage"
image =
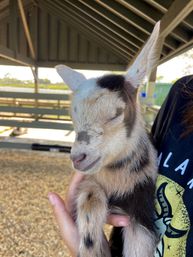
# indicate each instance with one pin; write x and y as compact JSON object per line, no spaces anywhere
{"x":187,"y":60}
{"x":160,"y":78}
{"x":10,"y":80}
{"x":161,"y":91}
{"x":43,"y":83}
{"x":57,"y":86}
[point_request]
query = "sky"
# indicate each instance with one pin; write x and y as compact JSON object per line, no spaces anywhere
{"x":170,"y":71}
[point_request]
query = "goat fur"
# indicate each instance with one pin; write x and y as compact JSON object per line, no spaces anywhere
{"x":114,"y":152}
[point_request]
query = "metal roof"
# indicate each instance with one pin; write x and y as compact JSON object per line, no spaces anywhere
{"x":91,"y":34}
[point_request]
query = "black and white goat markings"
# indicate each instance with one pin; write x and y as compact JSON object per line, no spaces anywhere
{"x":114,"y":152}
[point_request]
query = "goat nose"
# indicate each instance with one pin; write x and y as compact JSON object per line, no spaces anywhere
{"x":78,"y":158}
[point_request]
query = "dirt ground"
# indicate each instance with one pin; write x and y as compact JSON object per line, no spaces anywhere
{"x":27,"y":227}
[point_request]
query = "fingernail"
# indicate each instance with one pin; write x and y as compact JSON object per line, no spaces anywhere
{"x":123,"y":223}
{"x":52,"y":199}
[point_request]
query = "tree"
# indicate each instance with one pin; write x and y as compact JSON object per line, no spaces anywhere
{"x":44,"y":81}
{"x":159,"y":78}
{"x":8,"y":79}
{"x":188,"y":61}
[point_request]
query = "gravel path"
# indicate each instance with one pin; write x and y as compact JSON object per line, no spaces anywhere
{"x":27,"y":227}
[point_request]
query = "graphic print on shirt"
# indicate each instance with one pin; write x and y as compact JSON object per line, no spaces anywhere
{"x":173,"y":227}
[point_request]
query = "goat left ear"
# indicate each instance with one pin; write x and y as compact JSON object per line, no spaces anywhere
{"x":71,"y":77}
{"x":146,"y":60}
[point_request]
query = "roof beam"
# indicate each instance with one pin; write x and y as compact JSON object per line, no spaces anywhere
{"x":163,"y":7}
{"x":188,"y":21}
{"x":80,"y":20}
{"x":9,"y":54}
{"x":5,"y":9}
{"x":86,"y":66}
{"x":112,"y":28}
{"x":174,"y":16}
{"x":171,"y":19}
{"x":126,"y":15}
{"x":152,"y":15}
{"x":128,"y":28}
{"x":157,"y":5}
{"x":77,"y":23}
{"x":142,"y":9}
{"x":78,"y":10}
{"x":94,"y":19}
{"x":3,"y":4}
{"x":177,"y":52}
{"x":130,"y":18}
{"x":26,"y":29}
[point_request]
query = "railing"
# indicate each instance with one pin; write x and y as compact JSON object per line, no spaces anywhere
{"x":46,"y":111}
{"x":32,"y":110}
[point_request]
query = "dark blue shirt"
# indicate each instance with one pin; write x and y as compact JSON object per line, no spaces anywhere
{"x":174,"y":199}
{"x":174,"y":194}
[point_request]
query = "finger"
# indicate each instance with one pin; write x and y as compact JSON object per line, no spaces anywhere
{"x":118,"y":220}
{"x":76,"y":179}
{"x":66,"y":224}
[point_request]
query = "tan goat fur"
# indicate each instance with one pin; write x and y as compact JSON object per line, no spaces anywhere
{"x":114,"y":152}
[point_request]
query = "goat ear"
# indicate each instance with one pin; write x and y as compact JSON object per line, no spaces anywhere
{"x":146,"y":60}
{"x":71,"y":77}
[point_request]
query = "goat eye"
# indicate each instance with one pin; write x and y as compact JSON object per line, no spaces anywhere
{"x":119,"y":111}
{"x":114,"y":118}
{"x":108,"y":120}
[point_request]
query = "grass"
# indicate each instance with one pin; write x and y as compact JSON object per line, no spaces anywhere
{"x":161,"y":89}
{"x":160,"y":93}
{"x":58,"y":86}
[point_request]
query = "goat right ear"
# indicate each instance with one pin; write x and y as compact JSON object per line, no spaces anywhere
{"x":71,"y":77}
{"x":146,"y":60}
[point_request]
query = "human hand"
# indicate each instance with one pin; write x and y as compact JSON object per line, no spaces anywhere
{"x":63,"y":215}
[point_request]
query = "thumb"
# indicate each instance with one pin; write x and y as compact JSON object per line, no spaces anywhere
{"x":72,"y":190}
{"x":65,"y":222}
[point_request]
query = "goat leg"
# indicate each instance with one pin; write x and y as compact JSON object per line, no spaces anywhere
{"x":91,"y":216}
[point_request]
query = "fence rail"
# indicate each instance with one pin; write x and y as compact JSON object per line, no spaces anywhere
{"x":33,"y":110}
{"x":43,"y":110}
{"x":37,"y":96}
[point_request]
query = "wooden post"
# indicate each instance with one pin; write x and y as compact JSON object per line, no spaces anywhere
{"x":26,"y":28}
{"x":31,"y":48}
{"x":36,"y":79}
{"x":36,"y":87}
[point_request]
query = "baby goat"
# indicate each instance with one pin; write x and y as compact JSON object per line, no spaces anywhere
{"x":113,"y":150}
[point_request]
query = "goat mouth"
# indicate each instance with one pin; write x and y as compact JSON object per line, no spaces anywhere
{"x":91,"y":165}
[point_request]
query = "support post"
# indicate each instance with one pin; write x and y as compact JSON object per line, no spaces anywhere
{"x":35,"y":74}
{"x":31,"y":48}
{"x":36,"y":88}
{"x":26,"y":29}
